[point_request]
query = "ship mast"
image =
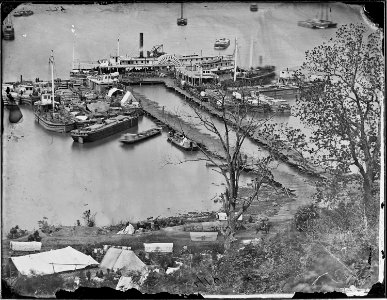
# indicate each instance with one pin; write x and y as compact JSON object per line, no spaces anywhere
{"x":235,"y":59}
{"x":182,"y":10}
{"x":251,"y":52}
{"x":51,"y":61}
{"x":118,"y":46}
{"x":73,"y":31}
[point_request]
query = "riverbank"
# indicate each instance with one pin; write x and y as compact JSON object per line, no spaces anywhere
{"x":269,"y":203}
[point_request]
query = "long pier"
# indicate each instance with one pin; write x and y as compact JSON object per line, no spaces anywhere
{"x":289,"y":155}
{"x":210,"y":144}
{"x":207,"y":141}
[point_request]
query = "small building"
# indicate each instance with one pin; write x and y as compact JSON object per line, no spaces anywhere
{"x":196,"y":75}
{"x":287,"y":76}
{"x":101,"y":83}
{"x":51,"y":262}
{"x":123,"y":260}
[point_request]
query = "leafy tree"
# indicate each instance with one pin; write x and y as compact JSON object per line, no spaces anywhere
{"x":341,"y":92}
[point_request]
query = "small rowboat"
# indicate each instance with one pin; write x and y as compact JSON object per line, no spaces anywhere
{"x":130,"y":138}
{"x":182,"y":142}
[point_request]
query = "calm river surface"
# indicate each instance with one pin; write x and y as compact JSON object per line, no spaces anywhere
{"x":47,"y":175}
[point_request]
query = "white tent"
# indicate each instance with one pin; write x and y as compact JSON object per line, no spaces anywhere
{"x":81,"y":118}
{"x":25,"y":246}
{"x":158,"y":247}
{"x":54,"y":261}
{"x":123,"y":260}
{"x":222,"y":216}
{"x":128,"y":99}
{"x":127,"y":230}
{"x":112,"y":91}
{"x":125,"y":283}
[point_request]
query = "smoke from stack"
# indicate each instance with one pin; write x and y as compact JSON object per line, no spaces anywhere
{"x":141,"y":44}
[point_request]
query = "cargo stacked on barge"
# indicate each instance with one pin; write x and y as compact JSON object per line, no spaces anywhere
{"x":107,"y":128}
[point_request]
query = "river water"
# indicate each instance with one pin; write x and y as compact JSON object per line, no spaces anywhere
{"x":47,"y":175}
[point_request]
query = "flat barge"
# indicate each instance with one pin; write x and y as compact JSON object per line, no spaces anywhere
{"x":130,"y":138}
{"x":107,"y":128}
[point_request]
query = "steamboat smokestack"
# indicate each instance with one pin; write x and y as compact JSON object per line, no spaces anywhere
{"x":141,"y":44}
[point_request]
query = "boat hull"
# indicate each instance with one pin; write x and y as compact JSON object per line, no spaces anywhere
{"x":105,"y":132}
{"x":139,"y":139}
{"x":57,"y":127}
{"x":178,"y":145}
{"x":9,"y":35}
{"x":181,"y":21}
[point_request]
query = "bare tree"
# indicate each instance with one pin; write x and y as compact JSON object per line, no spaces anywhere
{"x":237,"y":126}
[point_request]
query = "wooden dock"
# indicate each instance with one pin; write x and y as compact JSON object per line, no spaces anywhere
{"x":208,"y":142}
{"x":289,"y":155}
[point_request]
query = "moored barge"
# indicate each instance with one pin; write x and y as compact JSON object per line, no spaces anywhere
{"x":107,"y":128}
{"x":130,"y":138}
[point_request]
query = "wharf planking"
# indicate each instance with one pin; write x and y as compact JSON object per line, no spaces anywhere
{"x":289,"y":156}
{"x":208,"y":142}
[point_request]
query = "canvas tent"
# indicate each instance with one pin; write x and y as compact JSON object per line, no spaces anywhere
{"x":126,"y":283}
{"x":128,"y":99}
{"x":112,"y":91}
{"x":54,"y":261}
{"x":25,"y":246}
{"x":222,"y":216}
{"x":158,"y":247}
{"x":123,"y":260}
{"x":127,"y":230}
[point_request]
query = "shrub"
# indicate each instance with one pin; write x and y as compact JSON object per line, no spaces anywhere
{"x":40,"y":285}
{"x":34,"y":237}
{"x":16,"y":232}
{"x":89,"y":218}
{"x":305,"y":216}
{"x":196,"y":259}
{"x":165,"y":261}
{"x":45,"y":227}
